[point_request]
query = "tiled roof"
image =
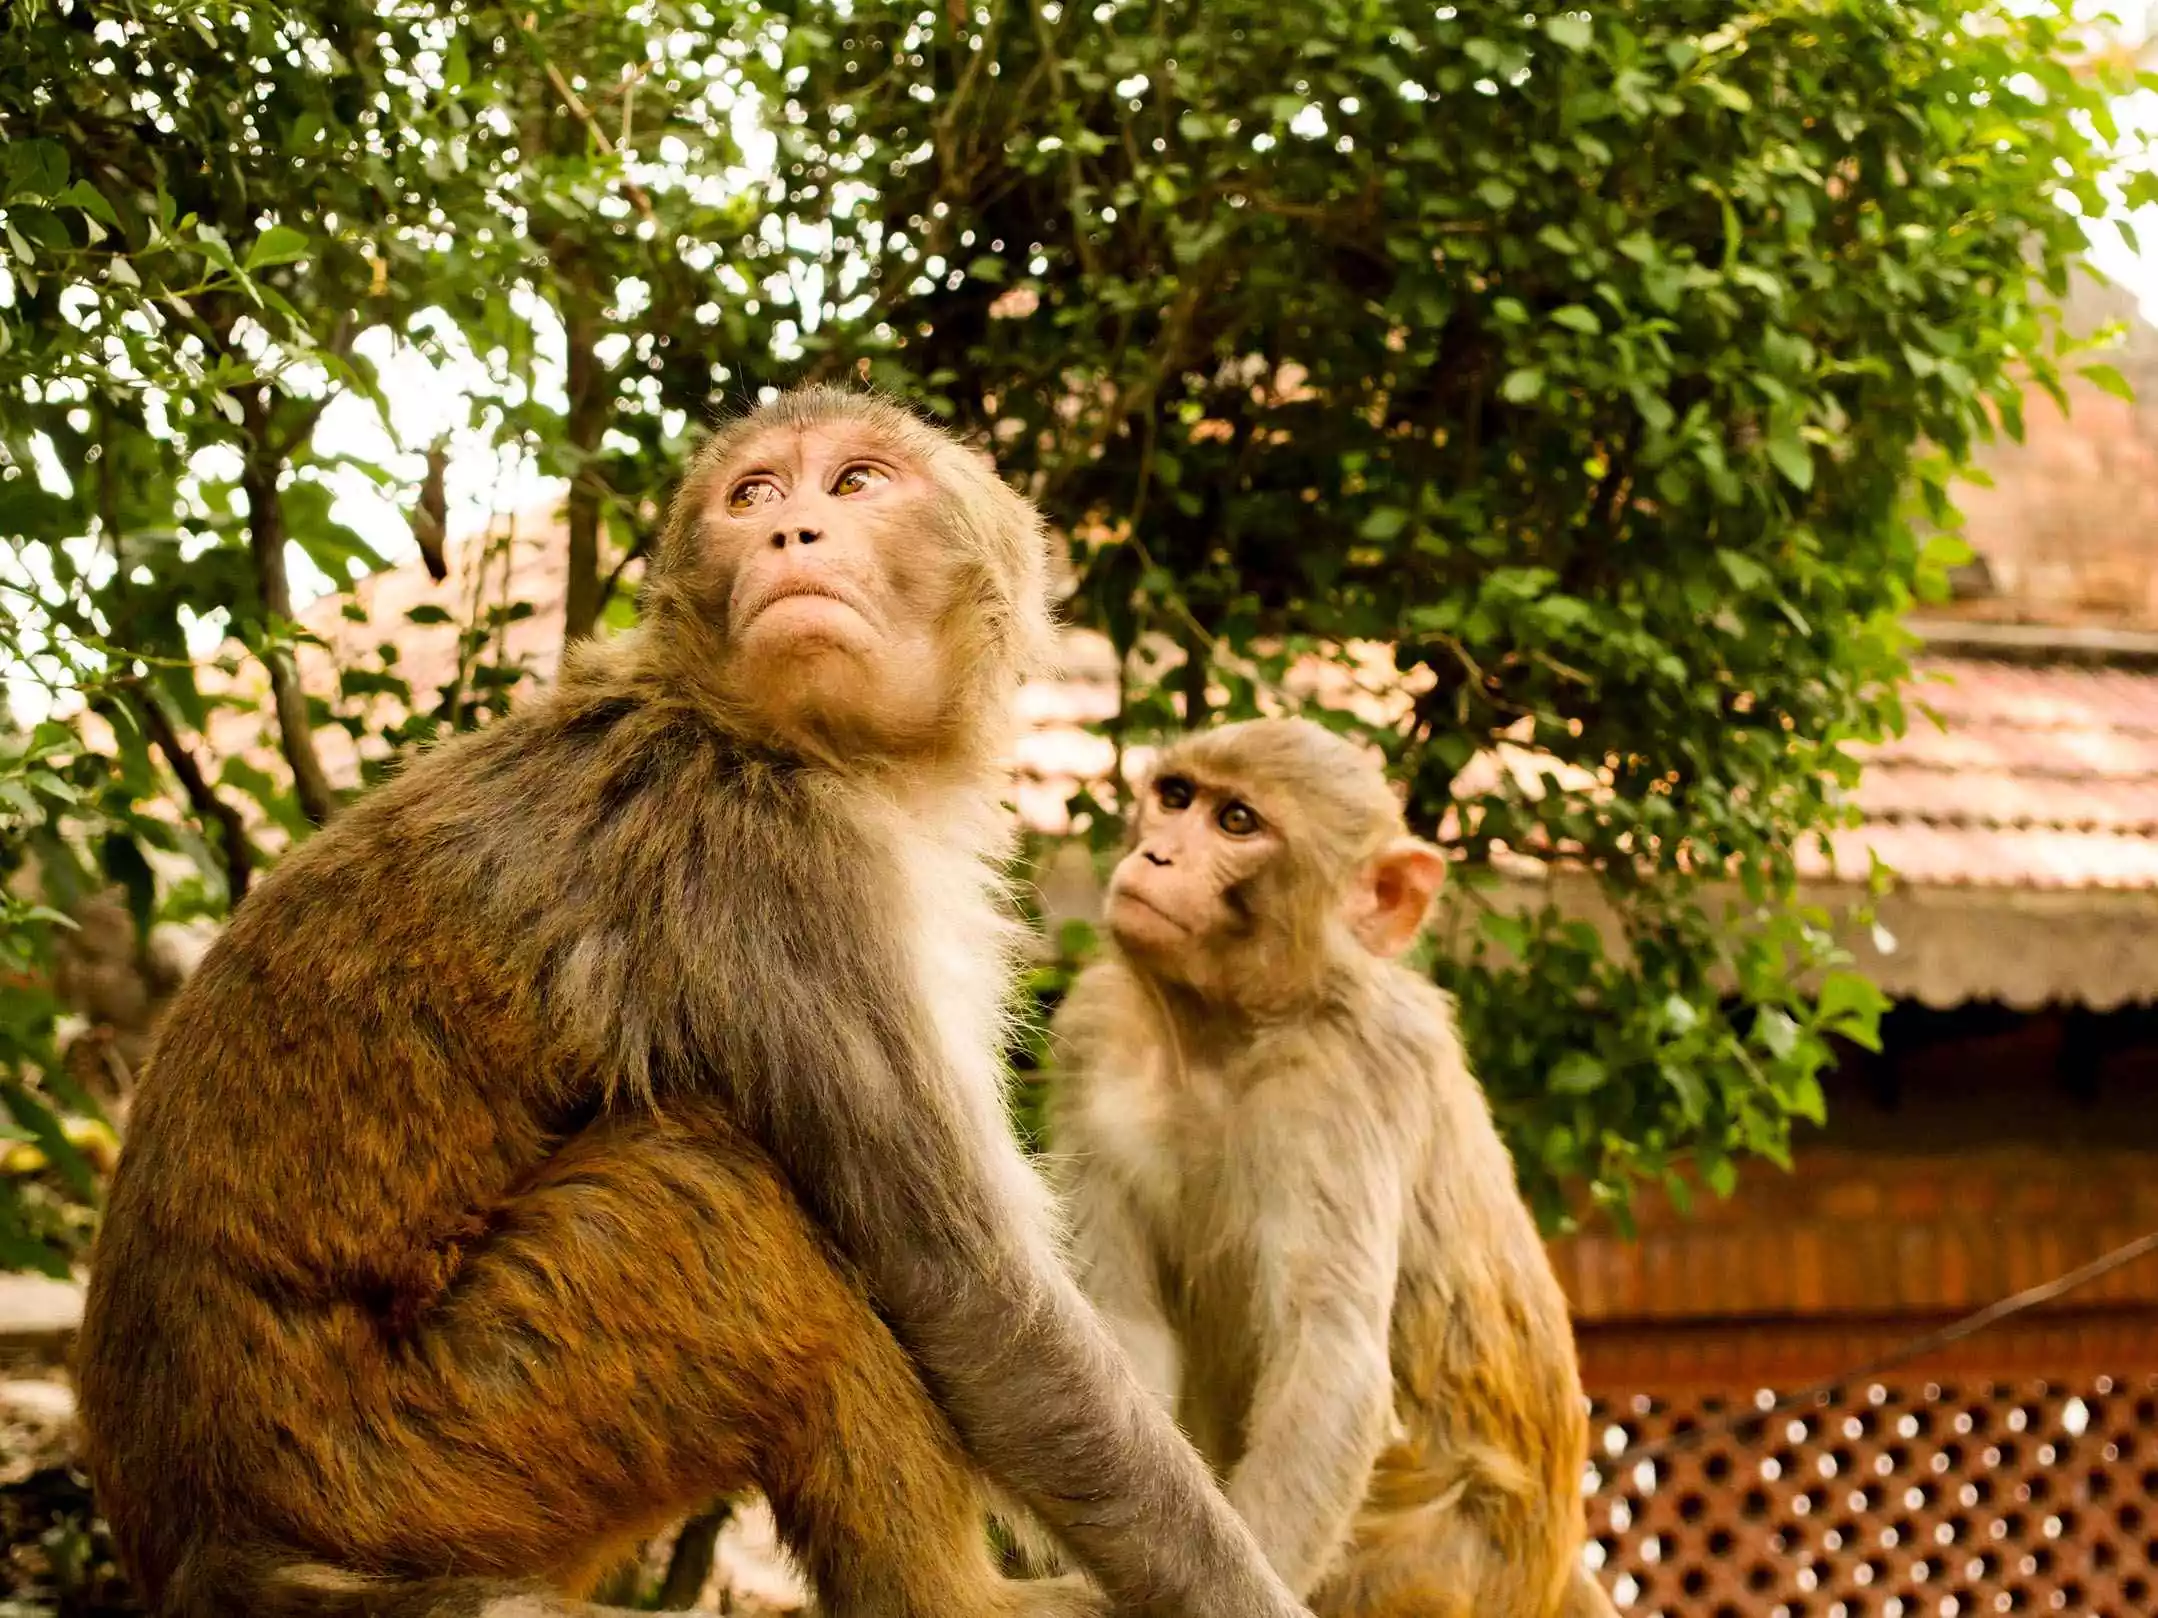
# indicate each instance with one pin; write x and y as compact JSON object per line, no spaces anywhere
{"x":2044,"y":777}
{"x":2034,"y":777}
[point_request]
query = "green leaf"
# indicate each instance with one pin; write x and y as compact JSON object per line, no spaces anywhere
{"x":1576,"y":1074}
{"x":1383,"y":523}
{"x":1745,"y":573}
{"x":1497,"y":194}
{"x":1578,"y":317}
{"x":1792,"y":459}
{"x":82,"y":194}
{"x":1777,"y":1033}
{"x":1720,"y":1174}
{"x":32,"y":169}
{"x":44,"y":1126}
{"x":1575,"y":33}
{"x":1687,"y":1085}
{"x":280,"y":244}
{"x":1522,"y":385}
{"x":2109,"y":380}
{"x":1851,"y":1005}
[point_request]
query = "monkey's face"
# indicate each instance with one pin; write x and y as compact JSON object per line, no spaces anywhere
{"x":821,"y":553}
{"x":1264,"y":855}
{"x":1185,"y":890}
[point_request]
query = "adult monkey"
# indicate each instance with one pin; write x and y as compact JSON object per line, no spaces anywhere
{"x":1290,"y":1203}
{"x":607,"y":1114}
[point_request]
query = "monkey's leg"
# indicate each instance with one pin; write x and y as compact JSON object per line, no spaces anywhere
{"x":1446,"y":1559}
{"x":655,"y":1322}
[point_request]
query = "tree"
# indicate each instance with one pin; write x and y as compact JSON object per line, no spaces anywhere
{"x":1586,"y":358}
{"x":158,"y":306}
{"x":1589,"y":360}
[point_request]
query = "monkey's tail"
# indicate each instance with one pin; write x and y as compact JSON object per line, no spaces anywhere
{"x":224,"y":1584}
{"x":1586,"y":1598}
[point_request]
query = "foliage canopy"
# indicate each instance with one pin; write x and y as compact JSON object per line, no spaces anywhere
{"x":1597,"y":361}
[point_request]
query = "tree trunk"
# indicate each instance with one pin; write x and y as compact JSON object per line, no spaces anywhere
{"x":213,"y":811}
{"x":586,"y":423}
{"x":266,"y":537}
{"x":1192,"y":678}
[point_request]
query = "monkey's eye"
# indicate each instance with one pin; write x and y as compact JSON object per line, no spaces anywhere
{"x":750,"y":493}
{"x":1237,"y":819}
{"x":1173,"y":792}
{"x":858,"y":477}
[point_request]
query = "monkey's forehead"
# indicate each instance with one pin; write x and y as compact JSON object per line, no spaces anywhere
{"x":1269,"y":748}
{"x":1287,"y":769}
{"x":787,"y":445}
{"x":789,"y":421}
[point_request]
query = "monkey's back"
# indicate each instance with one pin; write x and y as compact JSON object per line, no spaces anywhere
{"x":346,"y":1086}
{"x":1488,"y":1390}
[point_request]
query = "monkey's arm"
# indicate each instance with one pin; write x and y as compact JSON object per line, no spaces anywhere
{"x":930,"y":1202}
{"x":1320,"y":1411}
{"x":1020,"y":1363}
{"x":1114,"y":1265}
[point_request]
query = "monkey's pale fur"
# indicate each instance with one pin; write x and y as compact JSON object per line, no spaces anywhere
{"x":606,"y":1116}
{"x":1289,"y":1201}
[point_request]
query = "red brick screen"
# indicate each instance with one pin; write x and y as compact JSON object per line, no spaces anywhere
{"x":1901,"y":1499}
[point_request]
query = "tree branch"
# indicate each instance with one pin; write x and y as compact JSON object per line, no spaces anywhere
{"x":212,"y":810}
{"x":583,"y":114}
{"x":639,"y":547}
{"x":339,"y":346}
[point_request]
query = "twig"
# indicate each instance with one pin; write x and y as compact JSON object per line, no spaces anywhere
{"x":583,"y":114}
{"x":1914,"y":1349}
{"x":340,"y":345}
{"x":266,"y":538}
{"x":638,"y":547}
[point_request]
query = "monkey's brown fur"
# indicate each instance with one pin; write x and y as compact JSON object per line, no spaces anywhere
{"x":1289,"y":1201}
{"x":606,"y":1115}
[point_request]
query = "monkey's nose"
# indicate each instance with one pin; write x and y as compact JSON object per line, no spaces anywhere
{"x":801,"y":536}
{"x":1153,"y":858}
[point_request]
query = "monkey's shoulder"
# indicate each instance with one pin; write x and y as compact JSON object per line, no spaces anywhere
{"x":1400,"y":1021}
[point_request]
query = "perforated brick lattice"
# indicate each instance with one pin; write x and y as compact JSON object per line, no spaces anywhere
{"x":1895,"y":1500}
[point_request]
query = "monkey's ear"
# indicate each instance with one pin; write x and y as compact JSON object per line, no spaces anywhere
{"x":1393,"y":895}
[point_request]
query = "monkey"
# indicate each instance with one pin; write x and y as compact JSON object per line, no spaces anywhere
{"x":1288,"y":1198}
{"x":606,"y":1115}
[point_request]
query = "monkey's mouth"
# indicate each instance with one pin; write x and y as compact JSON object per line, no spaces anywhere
{"x":1129,"y":896}
{"x":806,"y":588}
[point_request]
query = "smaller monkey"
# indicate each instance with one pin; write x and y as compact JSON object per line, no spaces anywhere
{"x":1289,"y":1201}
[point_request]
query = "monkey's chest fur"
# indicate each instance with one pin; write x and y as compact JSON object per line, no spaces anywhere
{"x":1209,"y":1152}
